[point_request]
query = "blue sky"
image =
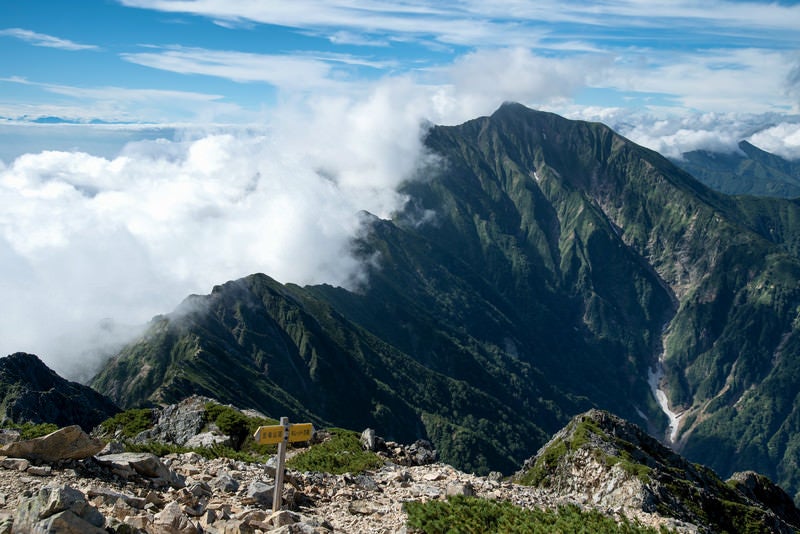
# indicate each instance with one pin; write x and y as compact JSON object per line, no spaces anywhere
{"x":198,"y":61}
{"x":150,"y":149}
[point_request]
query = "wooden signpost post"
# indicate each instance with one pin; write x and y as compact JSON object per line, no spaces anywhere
{"x":282,"y":434}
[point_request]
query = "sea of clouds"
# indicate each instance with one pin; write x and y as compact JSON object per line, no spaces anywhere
{"x":91,"y":247}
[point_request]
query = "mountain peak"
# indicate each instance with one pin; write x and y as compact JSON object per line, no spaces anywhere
{"x":31,"y":391}
{"x":614,"y":463}
{"x":545,"y":266}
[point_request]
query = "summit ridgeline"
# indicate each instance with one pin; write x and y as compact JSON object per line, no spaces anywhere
{"x":542,"y":267}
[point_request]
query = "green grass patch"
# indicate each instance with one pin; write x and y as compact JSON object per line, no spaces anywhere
{"x":239,"y":428}
{"x":474,"y":515}
{"x":30,"y":430}
{"x":340,"y":454}
{"x":544,"y":465}
{"x":129,"y":422}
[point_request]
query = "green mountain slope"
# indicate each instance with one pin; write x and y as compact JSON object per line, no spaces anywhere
{"x":542,"y":268}
{"x":751,"y":171}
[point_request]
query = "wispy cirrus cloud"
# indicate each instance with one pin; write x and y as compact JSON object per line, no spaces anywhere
{"x":287,"y":71}
{"x":41,"y":39}
{"x":502,"y":23}
{"x":118,"y":104}
{"x":713,"y":79}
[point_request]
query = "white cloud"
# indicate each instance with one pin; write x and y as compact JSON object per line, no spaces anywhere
{"x":708,"y":80}
{"x":517,"y":74}
{"x":41,"y":39}
{"x":285,"y":71}
{"x":343,"y":37}
{"x":782,"y":139}
{"x":84,"y":238}
{"x":673,"y":132}
{"x":498,"y":22}
{"x":120,"y":104}
{"x":448,"y":22}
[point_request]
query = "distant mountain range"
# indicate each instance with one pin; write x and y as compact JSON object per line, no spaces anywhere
{"x":545,"y":267}
{"x":750,"y":171}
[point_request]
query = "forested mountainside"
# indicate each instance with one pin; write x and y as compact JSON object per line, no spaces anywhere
{"x":543,"y":267}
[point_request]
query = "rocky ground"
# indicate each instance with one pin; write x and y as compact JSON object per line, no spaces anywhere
{"x":69,"y":482}
{"x":185,"y":493}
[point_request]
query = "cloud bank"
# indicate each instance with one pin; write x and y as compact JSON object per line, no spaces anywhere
{"x":91,"y":246}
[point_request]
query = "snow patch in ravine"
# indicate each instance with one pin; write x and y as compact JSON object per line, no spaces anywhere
{"x":654,"y":377}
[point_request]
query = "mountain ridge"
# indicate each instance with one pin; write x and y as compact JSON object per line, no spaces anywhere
{"x":747,"y":171}
{"x":31,"y":392}
{"x":560,"y":263}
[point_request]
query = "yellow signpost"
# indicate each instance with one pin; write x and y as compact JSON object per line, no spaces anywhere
{"x":282,"y":434}
{"x":273,"y":434}
{"x":300,"y":432}
{"x":269,"y":435}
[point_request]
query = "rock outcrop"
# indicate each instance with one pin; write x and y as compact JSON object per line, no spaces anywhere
{"x":68,"y":443}
{"x":177,"y":423}
{"x":606,"y":462}
{"x":31,"y":391}
{"x":58,"y":508}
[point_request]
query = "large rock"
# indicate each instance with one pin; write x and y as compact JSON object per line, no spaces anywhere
{"x":60,"y":509}
{"x":609,"y":463}
{"x":224,"y":482}
{"x":143,"y":463}
{"x":172,"y":520}
{"x":260,"y":493}
{"x":371,"y":441}
{"x":30,"y":391}
{"x":178,"y":423}
{"x":208,"y":440}
{"x":68,"y":443}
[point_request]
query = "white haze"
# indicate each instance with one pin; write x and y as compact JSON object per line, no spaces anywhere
{"x":92,"y":247}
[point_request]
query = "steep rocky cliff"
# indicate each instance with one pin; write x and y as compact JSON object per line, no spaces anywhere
{"x":30,"y":391}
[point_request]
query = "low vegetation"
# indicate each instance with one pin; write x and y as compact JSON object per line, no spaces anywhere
{"x":129,"y":423}
{"x":30,"y":430}
{"x":338,"y":455}
{"x":237,"y":426}
{"x":342,"y":453}
{"x":473,"y":515}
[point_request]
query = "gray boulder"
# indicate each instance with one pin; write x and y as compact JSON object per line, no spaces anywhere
{"x":59,"y":509}
{"x":370,"y":441}
{"x":177,"y":423}
{"x":224,"y":482}
{"x":208,"y":440}
{"x":143,"y":463}
{"x":422,"y":452}
{"x":8,"y":435}
{"x":259,"y":493}
{"x":68,"y":443}
{"x":172,"y":520}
